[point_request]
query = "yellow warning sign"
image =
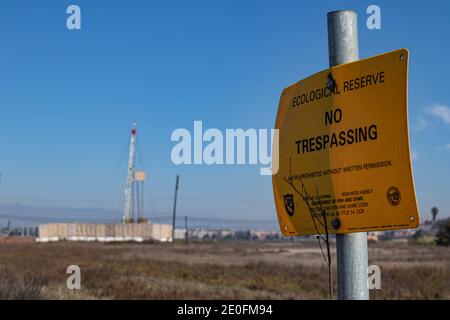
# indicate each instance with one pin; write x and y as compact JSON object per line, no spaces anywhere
{"x":344,"y":159}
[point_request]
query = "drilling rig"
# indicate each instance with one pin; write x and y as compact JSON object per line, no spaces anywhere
{"x":134,"y":189}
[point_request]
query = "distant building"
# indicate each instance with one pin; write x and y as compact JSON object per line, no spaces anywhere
{"x":138,"y":232}
{"x":179,"y":234}
{"x":200,"y":234}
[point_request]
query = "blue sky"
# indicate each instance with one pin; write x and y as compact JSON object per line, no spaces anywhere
{"x":68,"y":98}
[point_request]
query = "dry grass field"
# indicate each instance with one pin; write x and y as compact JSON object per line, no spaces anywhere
{"x":211,"y":270}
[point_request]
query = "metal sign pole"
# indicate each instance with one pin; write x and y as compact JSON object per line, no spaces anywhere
{"x":352,"y":259}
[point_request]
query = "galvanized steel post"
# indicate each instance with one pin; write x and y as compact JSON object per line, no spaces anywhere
{"x":352,"y":258}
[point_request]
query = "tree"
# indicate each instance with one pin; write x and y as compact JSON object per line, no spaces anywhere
{"x":434,"y":212}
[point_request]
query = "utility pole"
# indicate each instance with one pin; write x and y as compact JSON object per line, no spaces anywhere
{"x":175,"y":208}
{"x":352,"y":258}
{"x":185,"y":225}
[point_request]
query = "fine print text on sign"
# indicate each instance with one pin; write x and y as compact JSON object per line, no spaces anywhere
{"x":344,"y":150}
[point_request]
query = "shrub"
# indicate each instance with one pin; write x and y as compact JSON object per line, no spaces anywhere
{"x":15,"y":286}
{"x":443,"y":235}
